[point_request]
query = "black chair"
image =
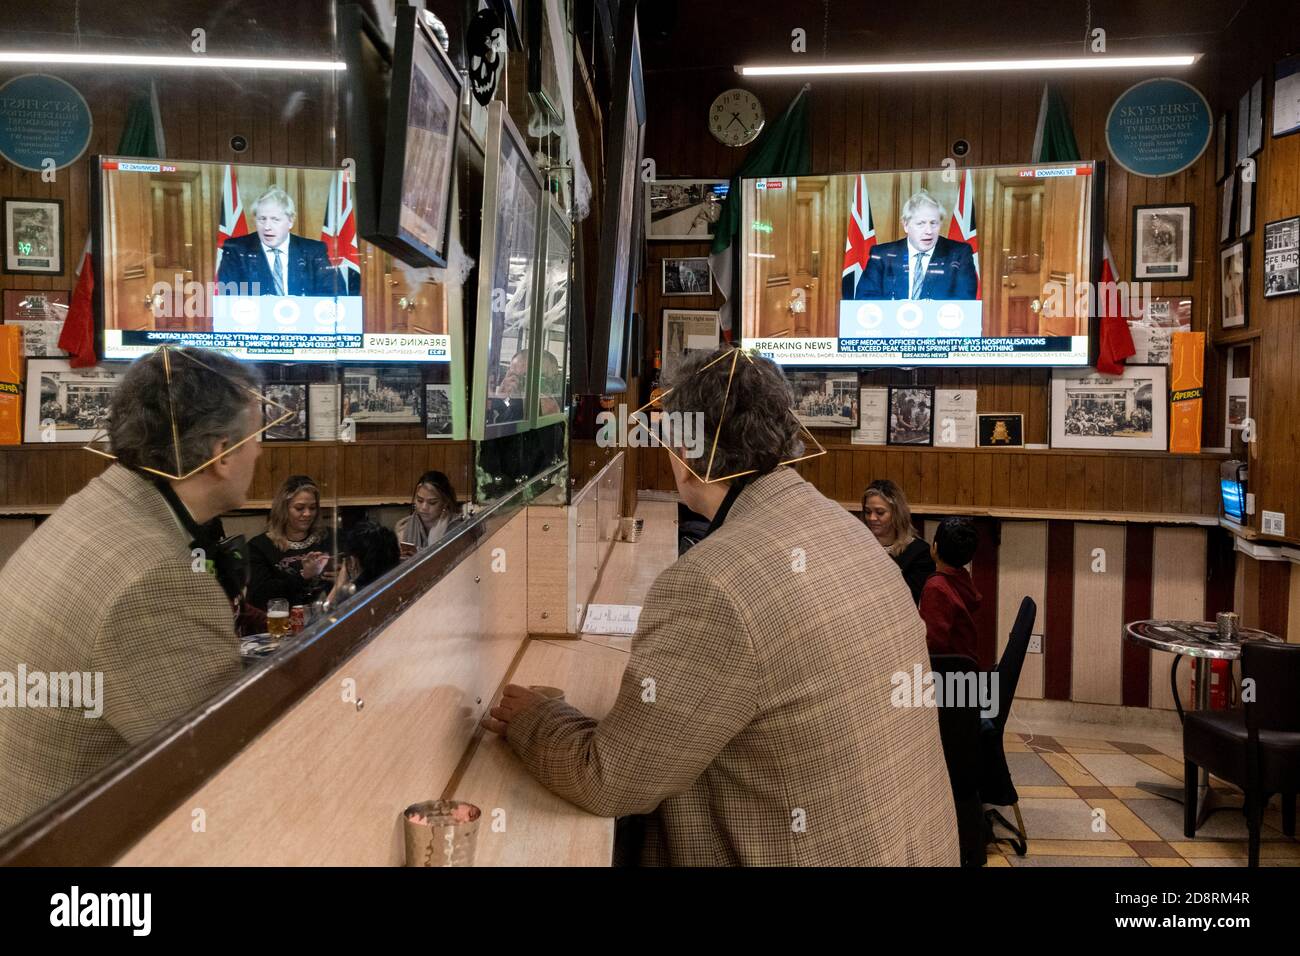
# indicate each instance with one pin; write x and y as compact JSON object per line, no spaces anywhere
{"x":996,"y":787}
{"x":959,"y":730}
{"x":1258,"y":747}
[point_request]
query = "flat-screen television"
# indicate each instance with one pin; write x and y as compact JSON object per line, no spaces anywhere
{"x":261,"y":262}
{"x":1232,"y":488}
{"x":979,"y":266}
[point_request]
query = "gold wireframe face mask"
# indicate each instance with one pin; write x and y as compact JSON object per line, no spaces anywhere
{"x":734,"y":356}
{"x":170,"y":355}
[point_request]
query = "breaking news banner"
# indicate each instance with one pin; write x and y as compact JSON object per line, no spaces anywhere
{"x":184,"y":904}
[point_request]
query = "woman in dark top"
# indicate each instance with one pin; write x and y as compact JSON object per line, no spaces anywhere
{"x":290,"y":560}
{"x":885,"y":511}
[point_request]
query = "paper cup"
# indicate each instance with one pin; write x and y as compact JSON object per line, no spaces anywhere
{"x":441,"y":833}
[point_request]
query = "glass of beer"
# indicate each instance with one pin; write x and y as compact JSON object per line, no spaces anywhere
{"x":277,"y":618}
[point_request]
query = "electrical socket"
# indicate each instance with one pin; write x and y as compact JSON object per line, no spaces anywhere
{"x":1035,"y":643}
{"x":1274,"y":522}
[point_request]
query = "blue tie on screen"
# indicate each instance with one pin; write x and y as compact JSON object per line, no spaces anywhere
{"x":279,"y":272}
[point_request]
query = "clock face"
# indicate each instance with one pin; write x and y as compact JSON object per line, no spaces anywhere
{"x":736,"y":117}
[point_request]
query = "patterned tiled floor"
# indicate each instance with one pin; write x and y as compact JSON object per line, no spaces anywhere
{"x":1082,"y":807}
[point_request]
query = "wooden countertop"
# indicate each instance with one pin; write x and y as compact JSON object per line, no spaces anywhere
{"x":541,"y":829}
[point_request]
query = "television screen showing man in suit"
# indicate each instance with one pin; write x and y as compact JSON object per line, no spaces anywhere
{"x":978,"y":266}
{"x":261,"y":262}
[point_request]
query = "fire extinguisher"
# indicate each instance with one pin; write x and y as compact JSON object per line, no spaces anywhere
{"x":1220,"y":684}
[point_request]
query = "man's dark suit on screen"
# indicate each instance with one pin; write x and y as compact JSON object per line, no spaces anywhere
{"x":307,"y":267}
{"x":949,"y":275}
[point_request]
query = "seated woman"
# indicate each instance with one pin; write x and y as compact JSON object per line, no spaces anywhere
{"x":290,"y":559}
{"x":367,"y":552}
{"x":433,"y":506}
{"x":885,"y":511}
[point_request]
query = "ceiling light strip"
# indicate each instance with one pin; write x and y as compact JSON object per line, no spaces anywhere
{"x":974,"y":66}
{"x":189,"y":62}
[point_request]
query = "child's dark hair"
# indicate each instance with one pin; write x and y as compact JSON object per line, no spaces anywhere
{"x":956,"y":541}
{"x":375,"y":548}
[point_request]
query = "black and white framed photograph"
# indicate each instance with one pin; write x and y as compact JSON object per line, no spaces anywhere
{"x":911,"y":415}
{"x":424,"y":106}
{"x":437,"y":411}
{"x":1126,"y":411}
{"x":284,"y":411}
{"x":1162,"y":242}
{"x":1227,"y":192}
{"x":1001,"y":430}
{"x":66,"y":404}
{"x":33,"y":236}
{"x":1245,"y":205}
{"x":1222,"y":149}
{"x":1255,"y":129}
{"x":1286,"y":96}
{"x":1282,"y":257}
{"x":382,"y":393}
{"x":825,"y":399}
{"x":1233,"y":286}
{"x":1242,"y":123}
{"x":683,"y":208}
{"x":685,"y":331}
{"x":693,"y":276}
{"x":1153,"y":326}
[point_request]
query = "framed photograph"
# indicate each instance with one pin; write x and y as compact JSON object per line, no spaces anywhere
{"x":40,"y":315}
{"x":281,"y":399}
{"x":437,"y":411}
{"x":503,"y":384}
{"x":686,"y":331}
{"x":1282,"y":257}
{"x":1286,"y":96}
{"x":1245,"y":206}
{"x":423,"y":109}
{"x":1234,"y":287}
{"x":324,"y":411}
{"x":543,"y":62}
{"x":551,"y":335}
{"x":382,"y":393}
{"x":1255,"y":131}
{"x":692,"y":276}
{"x":911,"y":415}
{"x":1162,"y":242}
{"x":1154,"y":326}
{"x":1222,"y":149}
{"x":684,"y":208}
{"x":33,"y":236}
{"x":1130,"y":411}
{"x":1236,"y":408}
{"x":1001,"y":430}
{"x":1242,"y":123}
{"x":1226,"y":193}
{"x":825,"y":399}
{"x":66,"y":404}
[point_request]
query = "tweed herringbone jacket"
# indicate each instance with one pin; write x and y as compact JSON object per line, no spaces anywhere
{"x":107,"y":584}
{"x":754,"y":723}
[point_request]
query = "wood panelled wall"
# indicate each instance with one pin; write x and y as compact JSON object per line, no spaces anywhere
{"x":883,"y":124}
{"x":1262,"y":33}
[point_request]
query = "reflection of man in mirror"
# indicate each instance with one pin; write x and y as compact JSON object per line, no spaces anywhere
{"x":272,"y":261}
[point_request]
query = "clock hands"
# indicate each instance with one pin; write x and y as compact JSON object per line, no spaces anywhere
{"x":735,"y":118}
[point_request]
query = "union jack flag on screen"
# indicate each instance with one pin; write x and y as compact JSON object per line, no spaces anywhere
{"x":232,"y":211}
{"x":339,"y":233}
{"x":861,"y":237}
{"x":962,"y":227}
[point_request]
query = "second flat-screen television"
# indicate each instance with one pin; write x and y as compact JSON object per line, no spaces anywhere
{"x":262,"y":262}
{"x":979,"y":266}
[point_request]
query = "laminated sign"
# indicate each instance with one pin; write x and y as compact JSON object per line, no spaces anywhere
{"x":1187,"y":382}
{"x":11,"y":384}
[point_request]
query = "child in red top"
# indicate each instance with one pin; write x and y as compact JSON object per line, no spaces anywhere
{"x":949,"y":599}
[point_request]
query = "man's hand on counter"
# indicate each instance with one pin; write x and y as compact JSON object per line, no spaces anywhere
{"x":514,"y":700}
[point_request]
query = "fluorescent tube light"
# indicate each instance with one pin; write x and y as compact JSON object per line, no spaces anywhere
{"x":974,"y":66}
{"x":201,"y":61}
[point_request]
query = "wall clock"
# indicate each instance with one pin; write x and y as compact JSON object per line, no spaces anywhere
{"x":736,"y":117}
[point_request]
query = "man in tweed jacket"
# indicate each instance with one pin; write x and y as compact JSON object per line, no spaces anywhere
{"x":754,"y":724}
{"x":108,"y":584}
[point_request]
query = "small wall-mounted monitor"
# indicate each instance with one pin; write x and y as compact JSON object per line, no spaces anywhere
{"x":1232,"y":488}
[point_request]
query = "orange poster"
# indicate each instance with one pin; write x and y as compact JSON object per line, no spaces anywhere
{"x":1186,"y":385}
{"x":11,"y":384}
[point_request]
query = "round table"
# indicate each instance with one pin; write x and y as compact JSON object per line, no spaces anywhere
{"x":1200,"y":641}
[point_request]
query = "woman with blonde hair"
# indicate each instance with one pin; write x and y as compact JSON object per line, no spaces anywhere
{"x":886,"y":513}
{"x":290,"y":559}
